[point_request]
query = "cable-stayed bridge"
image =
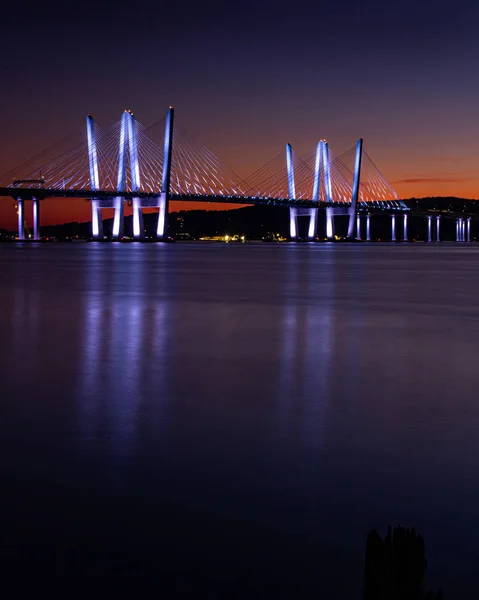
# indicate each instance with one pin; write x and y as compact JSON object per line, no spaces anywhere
{"x":151,"y":166}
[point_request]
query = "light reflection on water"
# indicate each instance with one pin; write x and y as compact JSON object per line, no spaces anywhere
{"x":247,"y":407}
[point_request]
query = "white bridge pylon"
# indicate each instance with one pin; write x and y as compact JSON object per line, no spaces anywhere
{"x":128,"y":148}
{"x":322,"y":179}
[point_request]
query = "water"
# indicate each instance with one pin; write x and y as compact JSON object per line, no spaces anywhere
{"x":236,"y":418}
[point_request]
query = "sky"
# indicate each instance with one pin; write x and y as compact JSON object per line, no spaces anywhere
{"x":246,"y":77}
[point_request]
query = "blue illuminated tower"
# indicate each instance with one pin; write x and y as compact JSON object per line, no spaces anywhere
{"x":355,"y":194}
{"x":97,"y":223}
{"x":118,"y":218}
{"x":162,"y":228}
{"x":328,"y":191}
{"x":138,"y":227}
{"x":293,"y":216}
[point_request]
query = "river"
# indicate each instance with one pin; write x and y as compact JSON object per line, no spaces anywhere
{"x":236,"y":418}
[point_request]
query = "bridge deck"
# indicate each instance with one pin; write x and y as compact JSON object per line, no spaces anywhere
{"x":43,"y":193}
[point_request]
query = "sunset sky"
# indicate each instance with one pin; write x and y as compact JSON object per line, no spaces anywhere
{"x":246,"y":77}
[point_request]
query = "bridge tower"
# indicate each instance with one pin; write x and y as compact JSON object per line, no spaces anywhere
{"x":119,"y":203}
{"x":329,"y":193}
{"x":294,"y":212}
{"x":138,"y":227}
{"x":352,"y":211}
{"x":96,"y":222}
{"x":355,"y":195}
{"x":162,"y":228}
{"x":293,"y":215}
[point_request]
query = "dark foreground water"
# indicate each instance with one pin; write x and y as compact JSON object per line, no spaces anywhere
{"x":236,"y":418}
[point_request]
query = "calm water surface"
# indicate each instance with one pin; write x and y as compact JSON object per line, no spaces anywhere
{"x":236,"y":418}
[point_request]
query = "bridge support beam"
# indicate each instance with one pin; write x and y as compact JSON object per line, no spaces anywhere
{"x":405,"y":238}
{"x":36,"y":218}
{"x":368,"y":228}
{"x":438,"y":228}
{"x":356,"y":182}
{"x":429,"y":228}
{"x":469,"y":229}
{"x":358,"y":227}
{"x":393,"y":228}
{"x":21,"y":218}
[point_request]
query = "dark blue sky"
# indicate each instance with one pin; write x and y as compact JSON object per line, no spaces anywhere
{"x":247,"y":77}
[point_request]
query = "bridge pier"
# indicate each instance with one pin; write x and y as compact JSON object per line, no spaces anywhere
{"x":404,"y":237}
{"x":393,"y":228}
{"x":138,"y":225}
{"x":469,"y":229}
{"x":358,"y":227}
{"x":429,"y":228}
{"x":118,"y":217}
{"x":460,"y":229}
{"x":293,"y":223}
{"x":36,"y":218}
{"x":313,"y":223}
{"x":329,"y":223}
{"x":162,"y":217}
{"x":21,"y":218}
{"x":96,"y":220}
{"x":438,"y":228}
{"x":368,"y":228}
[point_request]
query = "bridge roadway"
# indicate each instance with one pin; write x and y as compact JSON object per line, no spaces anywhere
{"x":44,"y":193}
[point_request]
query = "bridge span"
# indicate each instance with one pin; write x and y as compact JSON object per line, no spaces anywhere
{"x":150,"y":167}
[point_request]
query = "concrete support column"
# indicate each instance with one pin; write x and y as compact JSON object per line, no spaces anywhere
{"x":138,"y":226}
{"x":162,"y":216}
{"x":358,"y":227}
{"x":21,"y":218}
{"x":393,"y":228}
{"x":457,"y":230}
{"x":118,"y":218}
{"x":368,"y":228}
{"x":96,"y":221}
{"x":405,"y":229}
{"x":36,"y":219}
{"x":313,"y":220}
{"x":429,"y":228}
{"x":329,"y":223}
{"x":293,"y":223}
{"x":469,"y":229}
{"x":438,"y":232}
